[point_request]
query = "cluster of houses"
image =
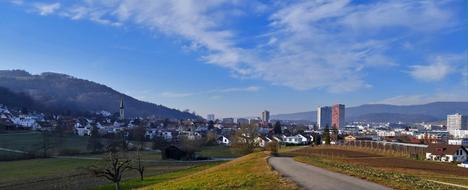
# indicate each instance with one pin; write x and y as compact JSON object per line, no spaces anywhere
{"x":16,"y":118}
{"x":441,"y":145}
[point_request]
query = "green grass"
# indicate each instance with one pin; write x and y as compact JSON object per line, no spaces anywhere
{"x":153,"y":180}
{"x":284,"y":149}
{"x":66,"y":173}
{"x":28,"y":169}
{"x":248,"y":172}
{"x":31,"y":141}
{"x":8,"y":156}
{"x":145,"y":155}
{"x":217,"y":152}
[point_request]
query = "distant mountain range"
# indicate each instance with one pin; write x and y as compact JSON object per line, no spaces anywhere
{"x":435,"y":111}
{"x":54,"y":92}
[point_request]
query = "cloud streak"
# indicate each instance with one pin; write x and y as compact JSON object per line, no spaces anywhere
{"x":215,"y":94}
{"x":440,"y":68}
{"x":307,"y":44}
{"x":43,"y":9}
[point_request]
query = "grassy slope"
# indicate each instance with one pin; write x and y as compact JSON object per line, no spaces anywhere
{"x":26,"y":169}
{"x":61,"y":173}
{"x":135,"y":183}
{"x":248,"y":172}
{"x":32,"y":141}
{"x":217,"y":152}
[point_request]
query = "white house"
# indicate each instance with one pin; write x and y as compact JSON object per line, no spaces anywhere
{"x":463,"y":165}
{"x":279,"y":139}
{"x":83,"y":131}
{"x":463,"y":141}
{"x":223,"y":140}
{"x":152,"y":133}
{"x":446,"y":153}
{"x":26,"y":122}
{"x":262,"y":141}
{"x":296,"y":139}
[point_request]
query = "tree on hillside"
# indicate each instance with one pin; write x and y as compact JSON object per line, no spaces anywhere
{"x":210,"y":138}
{"x":139,"y":165}
{"x":94,"y":142}
{"x":46,"y":143}
{"x":138,"y":135}
{"x":277,"y":128}
{"x":113,"y":167}
{"x":326,"y":135}
{"x":210,"y":125}
{"x":190,"y":146}
{"x":334,"y":134}
{"x":244,"y":139}
{"x":120,"y":140}
{"x":159,"y":143}
{"x":59,"y":131}
{"x":317,"y":139}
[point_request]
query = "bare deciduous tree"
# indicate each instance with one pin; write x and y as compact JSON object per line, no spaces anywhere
{"x":139,"y":167}
{"x":190,"y":146}
{"x":113,"y":168}
{"x":46,"y":144}
{"x":244,"y":140}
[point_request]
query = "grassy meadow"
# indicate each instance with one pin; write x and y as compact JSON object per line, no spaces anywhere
{"x":157,"y":179}
{"x":71,"y":173}
{"x":31,"y":141}
{"x":247,"y":172}
{"x":219,"y":151}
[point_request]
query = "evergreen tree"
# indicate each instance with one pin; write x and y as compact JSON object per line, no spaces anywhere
{"x":334,"y":133}
{"x":326,"y":135}
{"x":277,"y":128}
{"x":94,"y":142}
{"x":138,"y":135}
{"x":210,"y":125}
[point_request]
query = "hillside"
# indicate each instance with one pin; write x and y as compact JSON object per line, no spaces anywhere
{"x":248,"y":172}
{"x":17,"y":100}
{"x":382,"y":112}
{"x":62,"y":93}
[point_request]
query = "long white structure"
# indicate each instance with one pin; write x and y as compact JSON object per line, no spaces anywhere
{"x":324,"y":116}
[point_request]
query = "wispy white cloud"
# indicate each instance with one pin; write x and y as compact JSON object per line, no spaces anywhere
{"x":175,"y":94}
{"x":309,"y":44}
{"x":46,"y":9}
{"x":17,"y":2}
{"x":424,"y":98}
{"x":214,"y":94}
{"x":439,"y":67}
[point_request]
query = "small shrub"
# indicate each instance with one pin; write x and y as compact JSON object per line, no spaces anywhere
{"x":272,"y":147}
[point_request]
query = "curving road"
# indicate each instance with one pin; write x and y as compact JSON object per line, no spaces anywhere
{"x":314,"y":178}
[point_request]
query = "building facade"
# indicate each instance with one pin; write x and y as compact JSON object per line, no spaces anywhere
{"x":457,"y":122}
{"x":210,"y":117}
{"x":338,"y":116}
{"x":242,"y":121}
{"x":266,"y":116}
{"x":122,"y":109}
{"x":228,"y":120}
{"x":324,"y":115}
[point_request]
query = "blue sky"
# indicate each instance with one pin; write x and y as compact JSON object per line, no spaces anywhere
{"x":237,"y":58}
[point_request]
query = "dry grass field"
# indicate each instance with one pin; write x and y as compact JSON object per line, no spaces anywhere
{"x":443,"y":172}
{"x":248,"y":172}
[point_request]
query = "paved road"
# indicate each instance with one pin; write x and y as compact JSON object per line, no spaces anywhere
{"x":314,"y":178}
{"x":11,"y":150}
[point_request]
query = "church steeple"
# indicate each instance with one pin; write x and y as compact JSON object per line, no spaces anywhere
{"x":122,"y":109}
